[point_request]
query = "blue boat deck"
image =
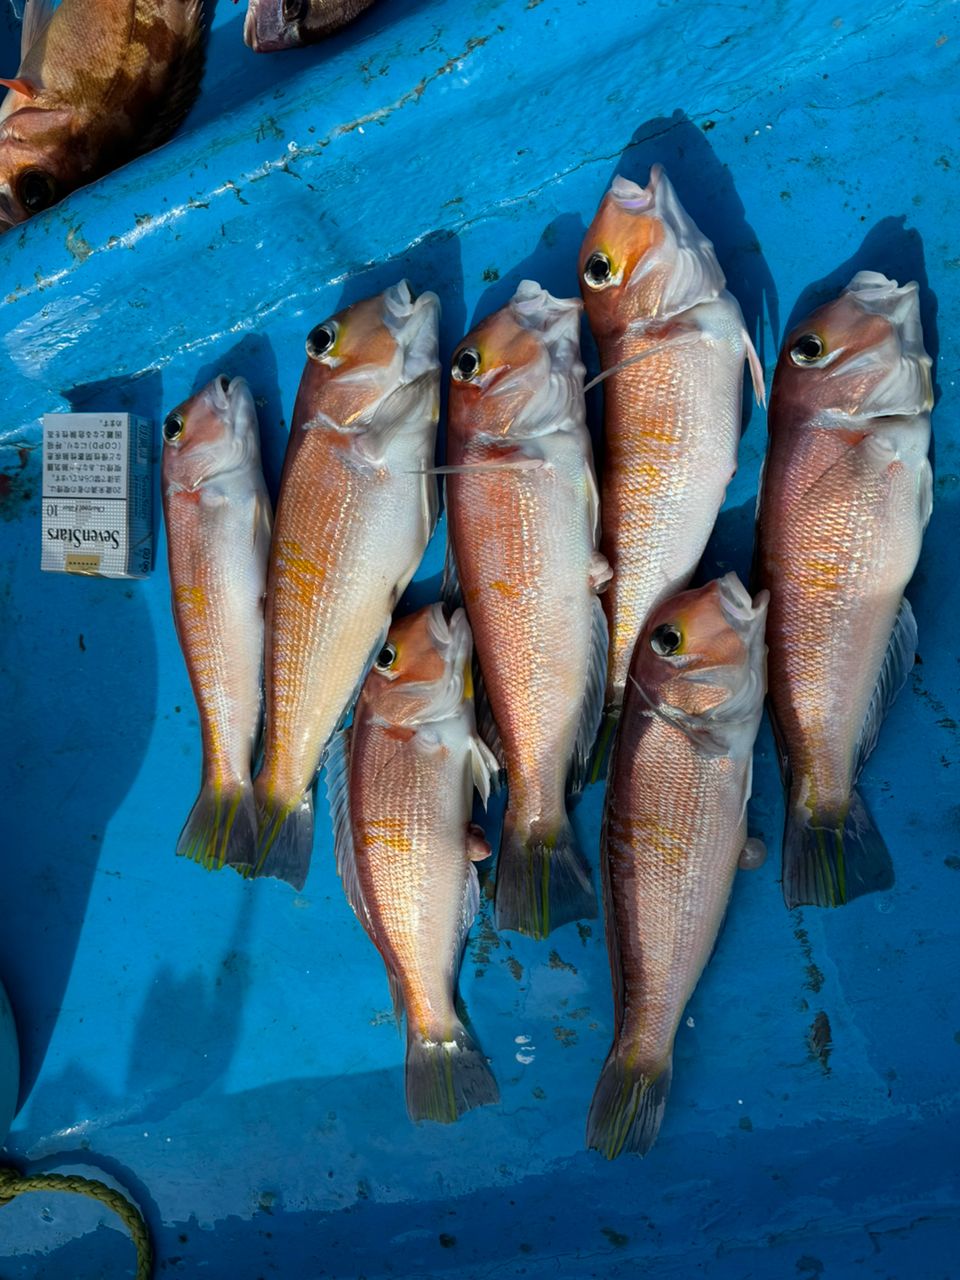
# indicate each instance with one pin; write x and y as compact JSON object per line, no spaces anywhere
{"x":225,"y":1050}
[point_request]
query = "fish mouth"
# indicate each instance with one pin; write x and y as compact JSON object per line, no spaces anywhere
{"x":907,"y":386}
{"x":555,"y":320}
{"x":684,"y":256}
{"x":414,"y":324}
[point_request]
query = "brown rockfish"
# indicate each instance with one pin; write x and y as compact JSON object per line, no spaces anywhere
{"x":674,"y":830}
{"x":401,"y":781}
{"x":217,"y":515}
{"x":847,"y":492}
{"x":100,"y":81}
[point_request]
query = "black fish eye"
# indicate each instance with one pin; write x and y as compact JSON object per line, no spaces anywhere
{"x":172,"y":427}
{"x":666,"y":639}
{"x":294,"y":10}
{"x":224,"y":383}
{"x":807,"y":348}
{"x":321,"y":339}
{"x":597,"y":270}
{"x":36,"y":190}
{"x":386,"y":657}
{"x":466,"y":364}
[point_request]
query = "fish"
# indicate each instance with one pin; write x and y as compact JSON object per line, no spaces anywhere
{"x":401,"y":781}
{"x":218,"y":519}
{"x":272,"y":25}
{"x":523,"y":521}
{"x":356,"y":510}
{"x":672,"y":344}
{"x":100,"y":82}
{"x":846,"y":494}
{"x":674,"y":832}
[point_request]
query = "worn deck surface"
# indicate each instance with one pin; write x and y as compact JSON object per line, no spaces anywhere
{"x":226,"y":1050}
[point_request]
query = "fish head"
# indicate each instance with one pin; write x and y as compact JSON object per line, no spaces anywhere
{"x":422,"y":673}
{"x":643,"y":259}
{"x":700,"y":663}
{"x":272,"y":25}
{"x":211,"y":434}
{"x":858,"y":357}
{"x":518,"y":374}
{"x":41,"y":162}
{"x":374,"y":366}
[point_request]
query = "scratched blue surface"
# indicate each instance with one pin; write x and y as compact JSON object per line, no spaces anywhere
{"x":225,"y":1050}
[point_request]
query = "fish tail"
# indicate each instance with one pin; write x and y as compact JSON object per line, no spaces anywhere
{"x":543,"y":879}
{"x":829,"y":861}
{"x":222,"y":827}
{"x":627,"y":1107}
{"x":446,"y":1075}
{"x":285,"y":842}
{"x":603,"y":747}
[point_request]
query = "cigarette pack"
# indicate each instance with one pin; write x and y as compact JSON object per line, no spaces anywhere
{"x":97,"y":494}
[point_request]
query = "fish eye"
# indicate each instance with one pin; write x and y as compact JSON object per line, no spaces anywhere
{"x":223,"y":382}
{"x":466,"y":364}
{"x":172,"y":427}
{"x":666,"y":639}
{"x":36,"y":190}
{"x":386,"y":657}
{"x":294,"y":10}
{"x":807,"y":348}
{"x":321,"y":339}
{"x":597,"y":271}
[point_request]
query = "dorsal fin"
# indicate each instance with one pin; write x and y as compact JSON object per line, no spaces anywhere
{"x":337,"y":764}
{"x":37,"y":16}
{"x":897,"y":664}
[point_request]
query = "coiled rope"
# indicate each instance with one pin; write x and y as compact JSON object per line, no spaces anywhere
{"x":13,"y":1183}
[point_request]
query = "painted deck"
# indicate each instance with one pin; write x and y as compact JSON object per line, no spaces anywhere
{"x":226,"y":1050}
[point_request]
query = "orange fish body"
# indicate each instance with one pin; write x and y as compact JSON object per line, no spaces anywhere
{"x":100,"y":81}
{"x":674,"y":831}
{"x":522,"y":511}
{"x":847,"y":493}
{"x":217,"y":516}
{"x":401,"y":782}
{"x":655,"y":298}
{"x":354,"y":516}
